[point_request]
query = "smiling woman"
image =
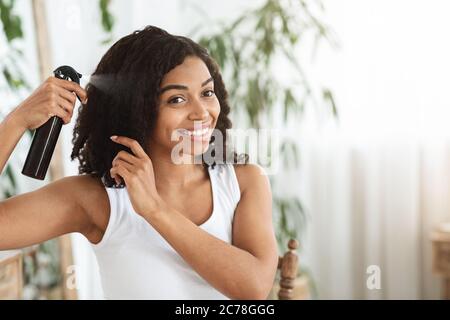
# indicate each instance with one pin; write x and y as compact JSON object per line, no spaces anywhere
{"x":173,"y":230}
{"x":132,"y":67}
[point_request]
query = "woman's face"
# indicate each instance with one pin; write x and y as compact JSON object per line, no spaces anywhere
{"x":188,"y":108}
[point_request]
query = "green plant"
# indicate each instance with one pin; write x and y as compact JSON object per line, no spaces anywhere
{"x":107,"y":19}
{"x":12,"y":74}
{"x":246,"y":49}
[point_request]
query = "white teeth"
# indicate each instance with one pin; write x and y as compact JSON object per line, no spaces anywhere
{"x":198,"y":132}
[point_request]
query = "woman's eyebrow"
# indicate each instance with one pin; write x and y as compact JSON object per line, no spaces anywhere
{"x":182,"y":87}
{"x":206,"y":82}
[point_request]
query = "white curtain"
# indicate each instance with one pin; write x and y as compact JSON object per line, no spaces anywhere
{"x":374,"y":204}
{"x":376,"y":182}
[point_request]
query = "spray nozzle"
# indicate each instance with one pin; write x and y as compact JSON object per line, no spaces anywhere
{"x":68,"y":73}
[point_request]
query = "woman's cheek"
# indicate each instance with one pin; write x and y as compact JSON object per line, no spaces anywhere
{"x":216,"y":110}
{"x":171,"y":122}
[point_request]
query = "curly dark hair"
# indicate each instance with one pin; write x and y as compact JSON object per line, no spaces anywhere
{"x":127,"y":104}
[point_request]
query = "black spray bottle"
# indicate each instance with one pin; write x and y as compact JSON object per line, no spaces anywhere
{"x":46,"y":136}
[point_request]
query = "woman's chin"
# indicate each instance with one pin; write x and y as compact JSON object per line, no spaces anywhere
{"x":190,"y":150}
{"x":198,"y":148}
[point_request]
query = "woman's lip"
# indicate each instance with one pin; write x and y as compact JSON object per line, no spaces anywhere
{"x":192,"y":130}
{"x":196,"y":137}
{"x":203,"y":126}
{"x":203,"y":137}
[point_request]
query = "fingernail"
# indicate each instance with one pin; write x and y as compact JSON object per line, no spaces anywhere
{"x":113,"y":137}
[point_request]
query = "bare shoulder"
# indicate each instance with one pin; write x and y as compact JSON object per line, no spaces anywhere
{"x":252,"y":222}
{"x":251,"y":176}
{"x":90,"y":191}
{"x":91,"y":196}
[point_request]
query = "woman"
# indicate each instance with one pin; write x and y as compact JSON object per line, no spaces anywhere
{"x":177,"y":229}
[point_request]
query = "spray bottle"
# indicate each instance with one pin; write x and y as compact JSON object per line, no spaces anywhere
{"x":46,"y":136}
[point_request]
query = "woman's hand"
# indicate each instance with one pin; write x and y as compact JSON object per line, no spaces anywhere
{"x":53,"y":97}
{"x":136,"y":170}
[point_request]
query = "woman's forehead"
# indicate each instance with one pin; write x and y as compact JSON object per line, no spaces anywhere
{"x":192,"y":72}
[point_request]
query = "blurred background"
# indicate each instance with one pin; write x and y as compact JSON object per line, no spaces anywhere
{"x":357,"y":90}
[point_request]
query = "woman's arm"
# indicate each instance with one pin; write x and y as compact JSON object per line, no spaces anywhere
{"x":45,"y":213}
{"x":244,"y":270}
{"x":10,"y":133}
{"x":54,"y":209}
{"x":53,"y":97}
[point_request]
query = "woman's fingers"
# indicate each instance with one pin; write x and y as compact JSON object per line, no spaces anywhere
{"x":63,"y":103}
{"x":68,"y":95}
{"x":117,"y":163}
{"x":119,"y":172}
{"x":134,"y":146}
{"x":72,"y":87}
{"x":125,"y":160}
{"x":116,"y":179}
{"x":63,"y":109}
{"x":126,"y":165}
{"x":127,"y":157}
{"x":112,"y":173}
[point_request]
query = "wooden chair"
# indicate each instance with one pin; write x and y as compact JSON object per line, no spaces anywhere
{"x":441,"y":256}
{"x":288,"y":268}
{"x":11,"y":279}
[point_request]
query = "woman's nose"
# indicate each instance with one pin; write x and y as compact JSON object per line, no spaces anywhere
{"x":199,"y":110}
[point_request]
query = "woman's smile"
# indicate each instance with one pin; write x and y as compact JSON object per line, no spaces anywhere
{"x":198,"y":134}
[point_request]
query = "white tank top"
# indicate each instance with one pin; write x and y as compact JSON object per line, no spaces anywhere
{"x":136,"y":262}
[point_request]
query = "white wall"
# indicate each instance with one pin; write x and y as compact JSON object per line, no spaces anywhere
{"x":376,"y":183}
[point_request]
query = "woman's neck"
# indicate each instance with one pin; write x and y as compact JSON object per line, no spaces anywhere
{"x":168,"y":173}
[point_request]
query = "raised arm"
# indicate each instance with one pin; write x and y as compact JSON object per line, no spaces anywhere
{"x":56,"y":208}
{"x":45,"y":213}
{"x":53,"y":97}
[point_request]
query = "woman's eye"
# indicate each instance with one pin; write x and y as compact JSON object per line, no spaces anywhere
{"x":174,"y":100}
{"x":211,"y":93}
